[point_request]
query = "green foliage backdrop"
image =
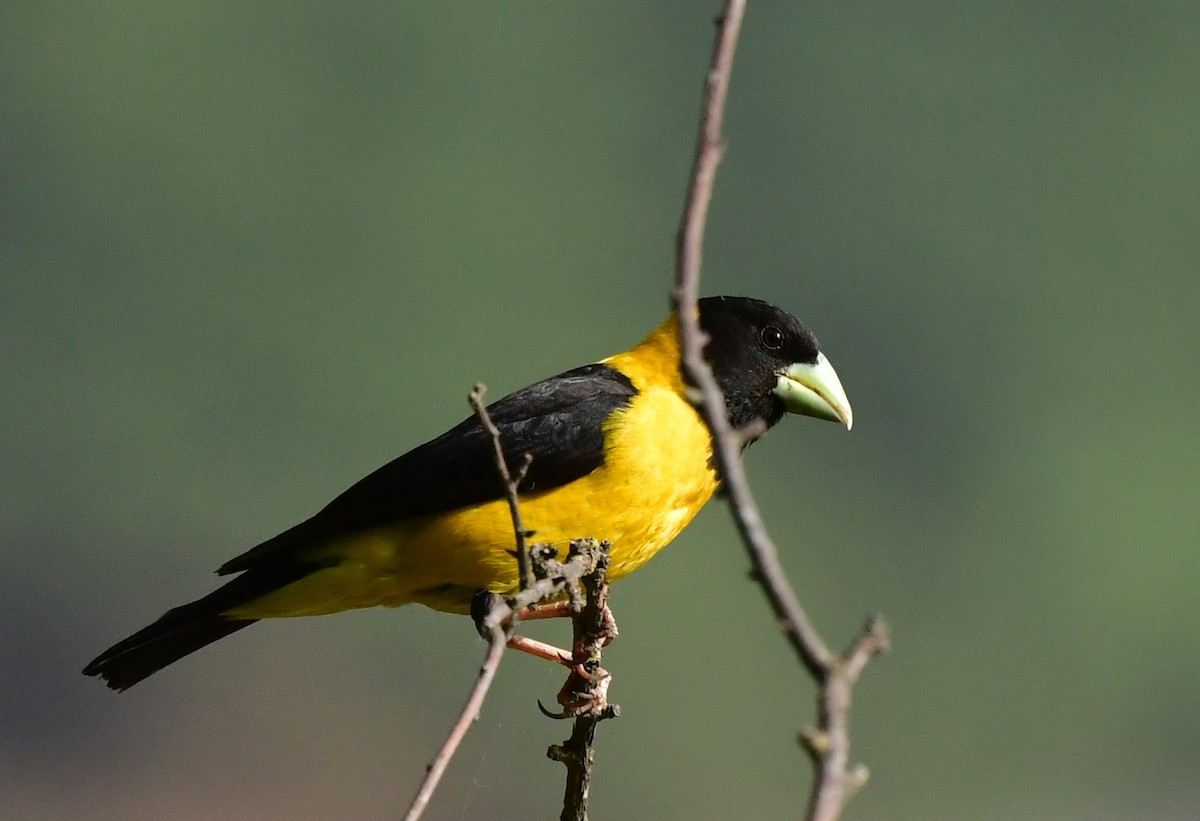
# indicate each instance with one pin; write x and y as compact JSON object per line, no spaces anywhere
{"x":252,"y":250}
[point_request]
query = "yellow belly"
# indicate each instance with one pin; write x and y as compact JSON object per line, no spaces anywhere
{"x":656,"y":476}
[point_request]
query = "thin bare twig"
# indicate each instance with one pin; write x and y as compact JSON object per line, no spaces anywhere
{"x":710,"y":147}
{"x":511,"y":483}
{"x":497,"y":639}
{"x":829,"y":744}
{"x":469,"y":715}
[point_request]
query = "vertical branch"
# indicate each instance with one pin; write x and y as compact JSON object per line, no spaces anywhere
{"x":710,"y":147}
{"x":578,"y":755}
{"x":829,"y":743}
{"x":585,"y":694}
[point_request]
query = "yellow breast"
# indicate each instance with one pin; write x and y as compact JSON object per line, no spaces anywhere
{"x":655,"y":477}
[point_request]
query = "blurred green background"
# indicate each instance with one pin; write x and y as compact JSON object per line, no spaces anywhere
{"x":251,"y":251}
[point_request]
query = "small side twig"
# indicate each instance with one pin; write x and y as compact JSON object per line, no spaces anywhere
{"x":468,"y":716}
{"x":559,"y":578}
{"x":497,"y":638}
{"x":511,"y":483}
{"x":834,"y":781}
{"x":829,"y":743}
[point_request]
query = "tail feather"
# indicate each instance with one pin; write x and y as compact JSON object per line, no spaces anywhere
{"x":186,"y":629}
{"x":164,"y":642}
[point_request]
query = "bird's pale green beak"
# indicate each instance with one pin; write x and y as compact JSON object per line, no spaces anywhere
{"x":815,"y":390}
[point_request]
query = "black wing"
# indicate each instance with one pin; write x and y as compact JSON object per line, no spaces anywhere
{"x":557,"y":420}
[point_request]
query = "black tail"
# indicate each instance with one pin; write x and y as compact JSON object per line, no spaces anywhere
{"x":186,"y":629}
{"x":180,"y":632}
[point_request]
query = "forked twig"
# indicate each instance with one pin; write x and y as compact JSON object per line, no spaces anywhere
{"x":587,"y":561}
{"x":829,"y":743}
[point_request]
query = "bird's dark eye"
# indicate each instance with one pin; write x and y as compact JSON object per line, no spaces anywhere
{"x":771,"y":338}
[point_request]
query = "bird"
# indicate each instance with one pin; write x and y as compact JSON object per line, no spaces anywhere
{"x":618,"y":451}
